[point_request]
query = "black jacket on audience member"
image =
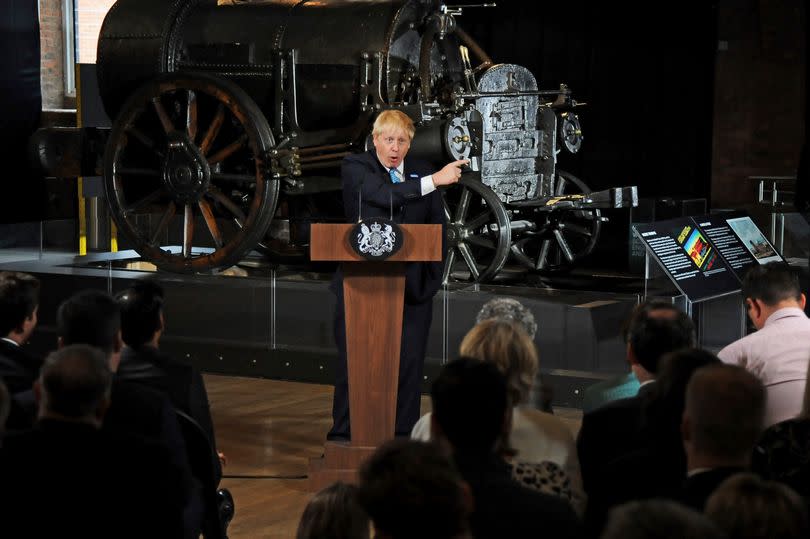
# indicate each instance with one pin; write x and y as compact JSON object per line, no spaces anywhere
{"x":609,"y":432}
{"x":18,"y":368}
{"x":65,"y":479}
{"x":698,"y":487}
{"x":179,"y":381}
{"x":504,"y":508}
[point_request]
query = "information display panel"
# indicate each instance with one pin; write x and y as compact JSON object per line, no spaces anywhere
{"x":686,"y":253}
{"x":739,"y":241}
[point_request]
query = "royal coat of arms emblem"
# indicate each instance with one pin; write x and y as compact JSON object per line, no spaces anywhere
{"x":376,"y":239}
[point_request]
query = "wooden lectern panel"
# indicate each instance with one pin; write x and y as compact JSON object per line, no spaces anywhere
{"x":330,"y":242}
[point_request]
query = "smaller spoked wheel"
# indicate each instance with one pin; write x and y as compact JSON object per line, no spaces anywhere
{"x":477,"y":232}
{"x":186,"y":173}
{"x":549,"y":241}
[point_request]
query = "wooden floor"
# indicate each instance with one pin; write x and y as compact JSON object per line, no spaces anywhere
{"x":268,"y":431}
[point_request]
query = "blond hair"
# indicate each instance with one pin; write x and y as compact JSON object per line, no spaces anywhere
{"x":389,"y":120}
{"x":510,"y":348}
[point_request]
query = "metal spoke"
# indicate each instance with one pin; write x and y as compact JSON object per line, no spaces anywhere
{"x":213,"y":130}
{"x":466,"y":254}
{"x":143,"y":139}
{"x":163,"y":224}
{"x":446,"y":209}
{"x":481,"y":241}
{"x":463,"y":204}
{"x":542,"y":258}
{"x":228,"y":150}
{"x":578,"y":229}
{"x":559,"y":189}
{"x":478,"y":220}
{"x":163,"y":115}
{"x":566,"y":250}
{"x":227,"y":203}
{"x":188,"y":230}
{"x":448,"y":264}
{"x":146,"y":172}
{"x":244,"y":178}
{"x":211,"y":222}
{"x":145,"y":201}
{"x":191,"y":114}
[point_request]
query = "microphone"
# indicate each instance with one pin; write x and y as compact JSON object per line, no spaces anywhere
{"x":360,"y":200}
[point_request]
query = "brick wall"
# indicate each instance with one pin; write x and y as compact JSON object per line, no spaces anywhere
{"x":89,"y":16}
{"x":759,"y":95}
{"x":52,"y":65}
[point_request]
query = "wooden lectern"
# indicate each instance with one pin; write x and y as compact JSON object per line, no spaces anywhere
{"x":373,"y":294}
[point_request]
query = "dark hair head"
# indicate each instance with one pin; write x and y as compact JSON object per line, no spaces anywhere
{"x":658,"y":519}
{"x":75,"y":380}
{"x":411,"y":489}
{"x":89,"y":317}
{"x":725,"y":405}
{"x":469,"y":404}
{"x":657,"y":328}
{"x":771,"y":283}
{"x":747,"y":507}
{"x":19,"y":297}
{"x":334,"y":512}
{"x":141,"y":306}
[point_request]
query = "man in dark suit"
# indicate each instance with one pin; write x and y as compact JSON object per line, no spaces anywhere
{"x":142,"y":361}
{"x":19,"y":300}
{"x":607,"y":433}
{"x":386,"y":180}
{"x":69,"y":477}
{"x":723,"y":419}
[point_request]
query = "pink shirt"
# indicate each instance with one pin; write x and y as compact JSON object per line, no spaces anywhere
{"x":779,"y":355}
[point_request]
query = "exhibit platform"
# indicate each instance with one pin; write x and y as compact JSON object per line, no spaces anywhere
{"x":257,"y":319}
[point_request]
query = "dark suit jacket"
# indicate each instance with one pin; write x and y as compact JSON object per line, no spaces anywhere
{"x":610,"y":432}
{"x":18,"y":368}
{"x":179,"y":381}
{"x":364,"y":174}
{"x":504,"y":508}
{"x":66,"y":479}
{"x":698,"y":488}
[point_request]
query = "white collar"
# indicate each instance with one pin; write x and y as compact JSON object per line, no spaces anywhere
{"x":15,"y":343}
{"x":400,"y":167}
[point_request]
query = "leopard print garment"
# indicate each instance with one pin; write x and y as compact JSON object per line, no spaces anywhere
{"x":546,"y":477}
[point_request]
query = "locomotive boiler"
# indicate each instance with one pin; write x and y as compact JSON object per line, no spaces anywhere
{"x":231,"y":119}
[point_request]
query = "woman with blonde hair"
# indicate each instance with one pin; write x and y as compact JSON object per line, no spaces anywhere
{"x":535,"y":437}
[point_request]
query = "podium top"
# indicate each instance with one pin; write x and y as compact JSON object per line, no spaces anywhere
{"x":330,"y":242}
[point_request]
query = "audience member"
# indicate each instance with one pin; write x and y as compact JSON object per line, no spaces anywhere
{"x":659,"y":519}
{"x":19,"y":301}
{"x":93,"y":317}
{"x":411,"y":489}
{"x":783,"y":451}
{"x":471,"y":412}
{"x":747,"y":507}
{"x":535,"y":437}
{"x":69,"y":478}
{"x":657,"y":466}
{"x":722,"y":421}
{"x":142,"y":361}
{"x":778,"y":353}
{"x":511,"y":310}
{"x":334,"y":513}
{"x":615,"y":429}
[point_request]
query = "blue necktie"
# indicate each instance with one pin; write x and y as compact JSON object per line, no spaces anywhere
{"x":394,"y":176}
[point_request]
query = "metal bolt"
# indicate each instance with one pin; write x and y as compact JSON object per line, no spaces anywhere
{"x":287,"y":364}
{"x":220,"y":358}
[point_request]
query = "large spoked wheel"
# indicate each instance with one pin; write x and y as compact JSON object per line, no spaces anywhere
{"x":559,"y":237}
{"x":186,"y":146}
{"x":478,"y":232}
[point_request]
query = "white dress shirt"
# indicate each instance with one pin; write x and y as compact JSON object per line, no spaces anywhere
{"x":427,"y":181}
